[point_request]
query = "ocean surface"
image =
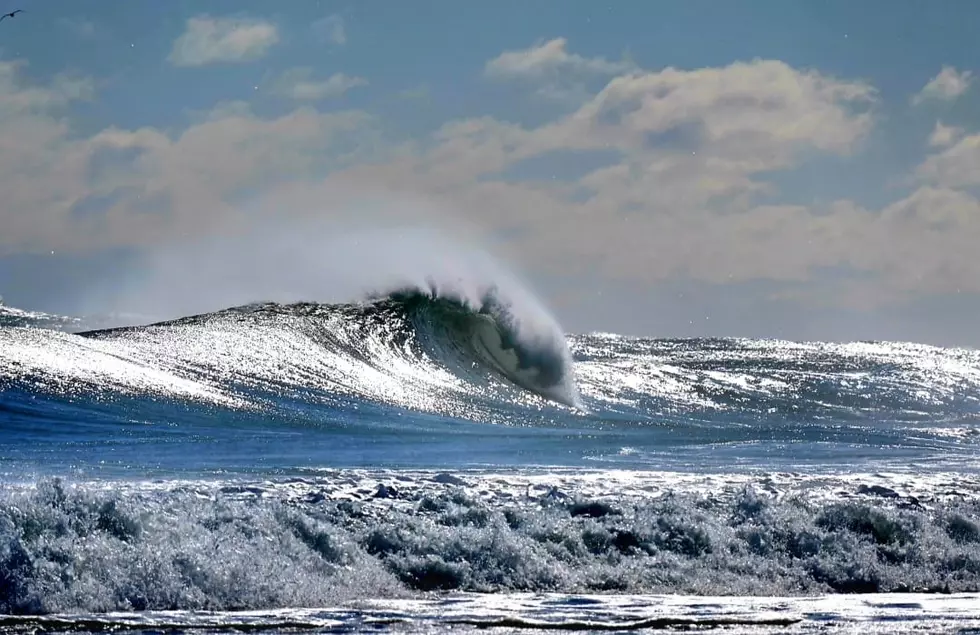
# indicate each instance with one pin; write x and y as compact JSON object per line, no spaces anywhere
{"x":429,"y":460}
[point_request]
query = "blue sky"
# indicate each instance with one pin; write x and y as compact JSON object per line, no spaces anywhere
{"x":801,"y":170}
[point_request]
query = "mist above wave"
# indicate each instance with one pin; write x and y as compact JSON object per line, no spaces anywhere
{"x":283,"y":250}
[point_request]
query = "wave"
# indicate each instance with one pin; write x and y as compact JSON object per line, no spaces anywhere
{"x":317,"y":541}
{"x":12,"y":316}
{"x":395,"y":348}
{"x":531,"y":354}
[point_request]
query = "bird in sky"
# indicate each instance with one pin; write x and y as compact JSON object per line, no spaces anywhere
{"x":11,"y":14}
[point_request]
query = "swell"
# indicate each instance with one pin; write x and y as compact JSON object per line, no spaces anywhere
{"x":407,"y":348}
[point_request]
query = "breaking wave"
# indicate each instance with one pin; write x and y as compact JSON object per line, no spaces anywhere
{"x":532,"y":354}
{"x":317,"y":541}
{"x":398,"y":348}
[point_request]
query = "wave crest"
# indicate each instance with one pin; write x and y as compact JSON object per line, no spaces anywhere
{"x":526,"y":348}
{"x":426,"y":348}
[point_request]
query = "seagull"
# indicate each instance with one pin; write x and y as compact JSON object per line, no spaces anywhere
{"x":11,"y":14}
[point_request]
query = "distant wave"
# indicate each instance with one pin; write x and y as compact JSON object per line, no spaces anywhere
{"x":11,"y":316}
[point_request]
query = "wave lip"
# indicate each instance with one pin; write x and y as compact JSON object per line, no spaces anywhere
{"x":528,"y":350}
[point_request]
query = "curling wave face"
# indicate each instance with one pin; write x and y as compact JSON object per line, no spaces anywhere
{"x":489,"y":335}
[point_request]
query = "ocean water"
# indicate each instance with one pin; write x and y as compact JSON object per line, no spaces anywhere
{"x":432,"y":460}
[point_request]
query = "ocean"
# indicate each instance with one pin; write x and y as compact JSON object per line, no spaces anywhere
{"x":427,"y":460}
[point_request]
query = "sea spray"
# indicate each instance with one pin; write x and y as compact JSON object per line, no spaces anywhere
{"x":232,"y":545}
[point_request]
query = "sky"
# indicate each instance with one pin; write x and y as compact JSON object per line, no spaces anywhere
{"x":800,"y":170}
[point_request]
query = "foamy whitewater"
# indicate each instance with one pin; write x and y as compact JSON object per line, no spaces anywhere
{"x":427,"y":459}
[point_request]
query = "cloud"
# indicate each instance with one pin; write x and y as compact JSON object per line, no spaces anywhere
{"x":20,"y":100}
{"x":35,"y":147}
{"x":943,"y":135}
{"x":127,"y":187}
{"x":299,"y":84}
{"x":654,"y":176}
{"x":208,"y":40}
{"x":956,"y":166}
{"x":690,"y":154}
{"x":922,"y":242}
{"x":554,"y":72}
{"x":946,"y":86}
{"x":548,"y":58}
{"x":331,"y":29}
{"x":753,"y":116}
{"x":679,"y":141}
{"x":685,"y":138}
{"x":683,"y":156}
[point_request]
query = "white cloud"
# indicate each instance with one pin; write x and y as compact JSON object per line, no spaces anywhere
{"x":208,"y":40}
{"x":299,"y":84}
{"x":924,"y":242}
{"x":19,"y":99}
{"x":754,"y":111}
{"x":39,"y":165}
{"x":685,"y":138}
{"x":943,"y":135}
{"x":550,"y":57}
{"x":946,"y":86}
{"x":48,"y":172}
{"x":331,"y":29}
{"x":554,"y":72}
{"x":688,"y":151}
{"x":956,"y":166}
